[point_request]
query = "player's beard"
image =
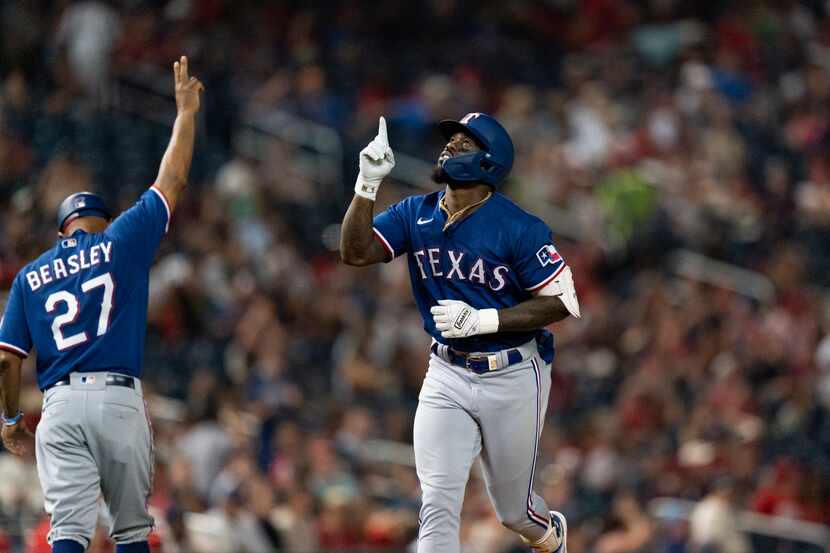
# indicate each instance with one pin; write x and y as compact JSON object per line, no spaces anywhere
{"x":439,"y":176}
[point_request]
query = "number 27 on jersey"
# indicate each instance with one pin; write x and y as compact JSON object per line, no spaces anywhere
{"x":72,"y":306}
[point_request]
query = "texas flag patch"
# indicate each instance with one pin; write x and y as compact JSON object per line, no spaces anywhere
{"x":547,"y":255}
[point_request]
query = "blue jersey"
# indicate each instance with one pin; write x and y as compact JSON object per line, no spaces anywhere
{"x":494,"y":258}
{"x":83,"y":304}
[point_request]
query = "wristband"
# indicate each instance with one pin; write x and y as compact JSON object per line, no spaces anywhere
{"x":366,"y":189}
{"x":12,"y":421}
{"x":488,"y":321}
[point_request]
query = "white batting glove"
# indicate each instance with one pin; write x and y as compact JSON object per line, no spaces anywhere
{"x":376,"y":161}
{"x":456,"y":319}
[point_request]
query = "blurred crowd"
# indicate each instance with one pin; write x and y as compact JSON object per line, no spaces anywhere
{"x":282,"y":384}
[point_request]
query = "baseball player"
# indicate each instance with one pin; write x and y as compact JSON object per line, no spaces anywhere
{"x":83,"y":306}
{"x":487,"y":279}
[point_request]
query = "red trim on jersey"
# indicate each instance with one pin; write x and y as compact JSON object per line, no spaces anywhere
{"x":20,"y":352}
{"x":384,"y":242}
{"x":547,"y":280}
{"x":161,"y":195}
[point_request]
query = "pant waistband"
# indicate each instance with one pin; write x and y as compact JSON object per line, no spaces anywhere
{"x":484,"y":362}
{"x":112,"y":379}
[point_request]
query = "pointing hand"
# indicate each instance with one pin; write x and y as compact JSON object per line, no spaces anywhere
{"x":376,"y":161}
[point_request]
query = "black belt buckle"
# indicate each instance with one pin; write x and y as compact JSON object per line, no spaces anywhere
{"x":479,"y":364}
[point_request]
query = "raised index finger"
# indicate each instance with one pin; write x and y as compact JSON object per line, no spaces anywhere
{"x":183,"y":63}
{"x":382,"y":131}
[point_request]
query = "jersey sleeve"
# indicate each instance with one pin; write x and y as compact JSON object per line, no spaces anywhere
{"x":143,"y":226}
{"x":14,"y":330}
{"x":392,"y":229}
{"x":536,"y":260}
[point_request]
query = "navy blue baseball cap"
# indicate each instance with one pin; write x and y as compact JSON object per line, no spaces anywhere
{"x":82,"y":204}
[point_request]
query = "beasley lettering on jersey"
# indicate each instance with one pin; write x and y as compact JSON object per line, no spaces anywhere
{"x":57,"y":269}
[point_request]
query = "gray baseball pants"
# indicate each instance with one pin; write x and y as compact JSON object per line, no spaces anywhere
{"x":95,"y":440}
{"x":497,"y":414}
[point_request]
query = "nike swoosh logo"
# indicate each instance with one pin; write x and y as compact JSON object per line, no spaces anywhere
{"x":421,"y":221}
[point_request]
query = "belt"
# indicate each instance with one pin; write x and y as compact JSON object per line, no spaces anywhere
{"x":478,"y":363}
{"x":113,"y":379}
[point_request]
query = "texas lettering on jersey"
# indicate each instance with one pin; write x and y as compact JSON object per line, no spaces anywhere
{"x":494,"y":258}
{"x":477,"y":272}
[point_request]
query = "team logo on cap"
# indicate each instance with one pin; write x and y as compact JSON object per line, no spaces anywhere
{"x":470,"y":116}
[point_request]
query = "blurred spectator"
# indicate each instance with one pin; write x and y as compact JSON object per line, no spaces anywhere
{"x":22,"y":492}
{"x":89,"y":31}
{"x":630,"y":528}
{"x":714,"y":525}
{"x":206,"y":445}
{"x":239,"y":524}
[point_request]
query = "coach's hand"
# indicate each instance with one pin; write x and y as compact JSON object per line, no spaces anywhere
{"x":187,"y":88}
{"x":18,"y":440}
{"x":456,"y":319}
{"x":376,"y":161}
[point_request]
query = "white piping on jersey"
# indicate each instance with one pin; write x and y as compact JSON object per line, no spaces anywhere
{"x":385,"y":242}
{"x":547,"y":279}
{"x":161,"y":195}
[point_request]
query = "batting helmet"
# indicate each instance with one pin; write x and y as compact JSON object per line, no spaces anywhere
{"x":82,"y":204}
{"x":492,"y":164}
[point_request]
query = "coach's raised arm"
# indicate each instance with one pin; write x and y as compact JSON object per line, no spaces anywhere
{"x":175,"y":164}
{"x":82,"y":305}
